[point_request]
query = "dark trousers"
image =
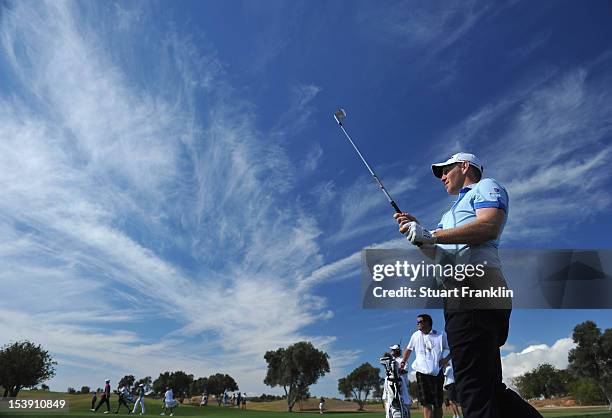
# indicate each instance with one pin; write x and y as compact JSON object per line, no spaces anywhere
{"x":93,"y":402}
{"x":105,"y":400}
{"x":474,"y":338}
{"x":123,"y":402}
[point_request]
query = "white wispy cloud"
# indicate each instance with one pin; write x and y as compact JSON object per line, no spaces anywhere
{"x":434,"y":32}
{"x":360,"y":200}
{"x":105,"y":181}
{"x":544,"y":139}
{"x":313,"y":157}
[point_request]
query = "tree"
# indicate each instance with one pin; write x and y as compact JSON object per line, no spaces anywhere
{"x":161,"y":383}
{"x":44,"y":387}
{"x":362,"y":381}
{"x":378,"y":392}
{"x":199,"y":386}
{"x":545,"y":380}
{"x":219,"y":383}
{"x":85,"y":389}
{"x":592,"y":356}
{"x":586,"y":392}
{"x":23,"y":365}
{"x":179,"y":381}
{"x":126,"y":381}
{"x":71,"y":391}
{"x":147,"y":382}
{"x":295,"y":368}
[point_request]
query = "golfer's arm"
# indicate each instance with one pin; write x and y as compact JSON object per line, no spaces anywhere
{"x":406,"y":356}
{"x":485,"y":228}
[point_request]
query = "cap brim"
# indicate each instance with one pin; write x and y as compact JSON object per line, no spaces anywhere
{"x":437,"y":168}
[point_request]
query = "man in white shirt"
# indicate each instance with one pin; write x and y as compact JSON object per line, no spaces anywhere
{"x":429,"y":346}
{"x":169,"y":402}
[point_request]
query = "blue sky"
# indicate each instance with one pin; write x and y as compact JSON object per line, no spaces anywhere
{"x":177,"y":195}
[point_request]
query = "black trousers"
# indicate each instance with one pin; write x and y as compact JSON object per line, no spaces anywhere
{"x":474,"y":338}
{"x":104,"y":399}
{"x":123,"y":402}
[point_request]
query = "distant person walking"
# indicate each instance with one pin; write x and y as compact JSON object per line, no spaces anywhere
{"x":244,"y":400}
{"x":140,"y":394}
{"x":94,"y":398}
{"x":124,"y":398}
{"x":451,"y":390}
{"x":105,"y":398}
{"x":204,"y":401}
{"x":321,"y":405}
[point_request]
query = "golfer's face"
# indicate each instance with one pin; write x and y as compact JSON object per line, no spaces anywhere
{"x":453,"y":178}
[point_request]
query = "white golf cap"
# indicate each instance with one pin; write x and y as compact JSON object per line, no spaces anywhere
{"x":107,"y":380}
{"x":141,"y":385}
{"x":457,"y":158}
{"x":394,"y":347}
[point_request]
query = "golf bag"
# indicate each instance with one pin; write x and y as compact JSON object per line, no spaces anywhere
{"x":392,"y":391}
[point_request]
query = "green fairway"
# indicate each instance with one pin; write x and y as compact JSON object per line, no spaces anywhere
{"x":80,"y":404}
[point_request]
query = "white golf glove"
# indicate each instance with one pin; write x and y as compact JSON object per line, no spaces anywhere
{"x":416,"y":234}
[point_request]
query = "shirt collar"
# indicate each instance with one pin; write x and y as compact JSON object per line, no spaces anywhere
{"x":467,"y":188}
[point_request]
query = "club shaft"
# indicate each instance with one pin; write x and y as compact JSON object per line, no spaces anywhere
{"x":382,"y":187}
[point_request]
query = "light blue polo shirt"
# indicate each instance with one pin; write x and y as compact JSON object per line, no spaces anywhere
{"x":487,"y":193}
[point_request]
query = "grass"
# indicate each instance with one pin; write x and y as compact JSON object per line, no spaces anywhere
{"x":80,"y":404}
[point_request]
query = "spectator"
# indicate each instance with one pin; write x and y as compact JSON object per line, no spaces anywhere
{"x":429,"y":346}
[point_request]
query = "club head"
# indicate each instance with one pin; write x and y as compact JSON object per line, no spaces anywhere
{"x":340,"y":115}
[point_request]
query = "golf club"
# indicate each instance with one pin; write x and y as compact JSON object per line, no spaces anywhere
{"x":340,"y":115}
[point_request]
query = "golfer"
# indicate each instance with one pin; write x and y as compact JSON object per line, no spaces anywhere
{"x":429,"y":346}
{"x":105,"y":398}
{"x":140,"y":400}
{"x":472,"y":227}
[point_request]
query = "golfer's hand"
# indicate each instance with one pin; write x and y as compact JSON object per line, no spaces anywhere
{"x":403,"y":219}
{"x":443,"y":362}
{"x":418,"y":235}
